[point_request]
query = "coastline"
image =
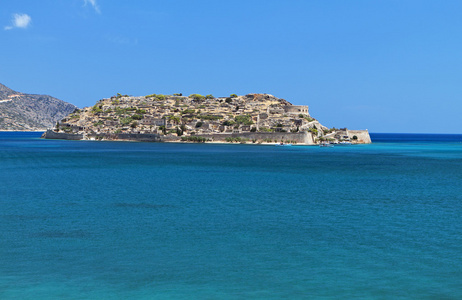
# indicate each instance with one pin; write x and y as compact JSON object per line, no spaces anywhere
{"x":8,"y":130}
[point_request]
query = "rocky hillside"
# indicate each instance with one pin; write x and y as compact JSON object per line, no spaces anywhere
{"x":177,"y":117}
{"x":19,"y":111}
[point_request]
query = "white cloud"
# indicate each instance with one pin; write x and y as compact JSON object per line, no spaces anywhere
{"x":19,"y":21}
{"x":92,"y":3}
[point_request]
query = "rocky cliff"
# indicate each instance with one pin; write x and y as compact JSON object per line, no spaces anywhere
{"x":253,"y":117}
{"x":20,"y":111}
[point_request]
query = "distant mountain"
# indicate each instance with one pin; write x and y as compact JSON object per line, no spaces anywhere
{"x":19,"y":111}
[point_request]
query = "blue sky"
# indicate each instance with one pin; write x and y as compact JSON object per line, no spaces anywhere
{"x":388,"y":66}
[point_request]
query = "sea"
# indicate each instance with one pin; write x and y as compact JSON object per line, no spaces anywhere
{"x":133,"y":220}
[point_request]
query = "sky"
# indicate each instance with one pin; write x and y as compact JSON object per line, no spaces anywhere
{"x":385,"y":66}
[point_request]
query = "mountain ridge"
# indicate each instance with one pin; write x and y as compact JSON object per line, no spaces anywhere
{"x":30,"y":112}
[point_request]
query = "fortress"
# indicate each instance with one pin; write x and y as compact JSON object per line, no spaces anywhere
{"x":252,"y":118}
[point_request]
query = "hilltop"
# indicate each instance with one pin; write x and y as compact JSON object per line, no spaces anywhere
{"x":20,"y":111}
{"x":156,"y":117}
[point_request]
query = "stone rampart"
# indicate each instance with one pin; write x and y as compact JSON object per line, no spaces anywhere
{"x":50,"y":134}
{"x":140,"y":137}
{"x":303,"y":138}
{"x":363,"y":136}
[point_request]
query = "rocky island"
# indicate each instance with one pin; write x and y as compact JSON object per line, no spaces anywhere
{"x":252,"y":118}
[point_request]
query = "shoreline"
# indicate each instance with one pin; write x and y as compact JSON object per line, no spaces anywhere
{"x":7,"y":130}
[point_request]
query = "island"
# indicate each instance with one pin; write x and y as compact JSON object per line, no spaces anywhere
{"x":252,"y":118}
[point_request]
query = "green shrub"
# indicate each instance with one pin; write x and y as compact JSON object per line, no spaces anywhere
{"x":228,"y":100}
{"x":134,"y":124}
{"x":228,"y":123}
{"x":309,"y":119}
{"x":233,"y":96}
{"x":209,"y":96}
{"x":98,"y":123}
{"x":96,"y":109}
{"x":126,"y":121}
{"x":197,"y":97}
{"x":163,"y":129}
{"x":195,"y":139}
{"x":188,"y":111}
{"x":355,"y":137}
{"x":174,"y":119}
{"x":265,"y":129}
{"x":137,"y":117}
{"x":244,"y":119}
{"x":210,"y":117}
{"x":199,"y":124}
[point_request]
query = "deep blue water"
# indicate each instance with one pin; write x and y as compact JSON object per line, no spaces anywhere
{"x":115,"y":220}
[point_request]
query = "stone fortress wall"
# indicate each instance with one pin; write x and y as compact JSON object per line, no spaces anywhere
{"x":296,"y":109}
{"x":362,"y":135}
{"x":302,"y":138}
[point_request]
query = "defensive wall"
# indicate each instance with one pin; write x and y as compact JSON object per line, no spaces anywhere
{"x":50,"y":134}
{"x":297,"y":137}
{"x":362,"y":135}
{"x":303,"y":138}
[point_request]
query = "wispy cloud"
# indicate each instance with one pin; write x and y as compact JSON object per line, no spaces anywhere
{"x":19,"y":21}
{"x":121,"y":40}
{"x":93,"y":4}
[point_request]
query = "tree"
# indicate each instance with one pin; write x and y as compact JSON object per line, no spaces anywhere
{"x":233,"y":96}
{"x":174,"y":119}
{"x":163,"y":129}
{"x":228,"y":123}
{"x":197,"y":97}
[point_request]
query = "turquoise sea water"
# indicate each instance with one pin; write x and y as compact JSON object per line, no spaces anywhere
{"x":115,"y":220}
